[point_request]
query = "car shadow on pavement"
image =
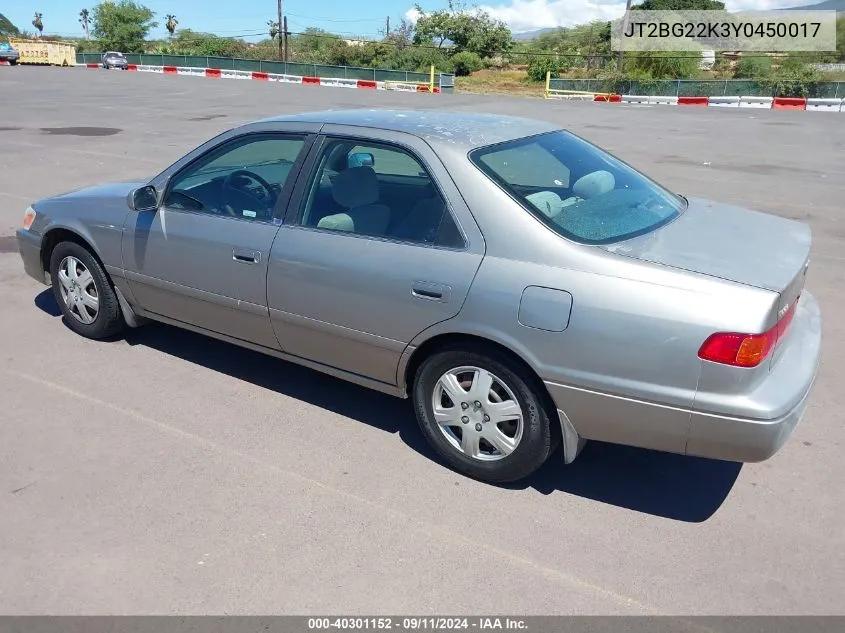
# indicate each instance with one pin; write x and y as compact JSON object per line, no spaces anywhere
{"x":670,"y":486}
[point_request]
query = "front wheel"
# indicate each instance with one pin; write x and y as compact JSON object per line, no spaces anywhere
{"x":482,"y":414}
{"x":83,"y":292}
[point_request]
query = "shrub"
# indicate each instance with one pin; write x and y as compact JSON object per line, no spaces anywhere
{"x":753,"y":68}
{"x":539,"y":66}
{"x":466,"y":63}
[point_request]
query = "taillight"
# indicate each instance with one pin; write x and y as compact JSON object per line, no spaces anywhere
{"x":28,"y":218}
{"x":745,"y":350}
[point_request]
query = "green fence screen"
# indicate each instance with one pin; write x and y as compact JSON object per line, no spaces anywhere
{"x":702,"y":88}
{"x":289,"y":68}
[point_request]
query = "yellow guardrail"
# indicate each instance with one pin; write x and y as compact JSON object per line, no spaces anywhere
{"x":45,"y":53}
{"x":550,"y":92}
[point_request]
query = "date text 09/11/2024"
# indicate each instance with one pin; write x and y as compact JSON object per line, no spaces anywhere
{"x":416,"y":624}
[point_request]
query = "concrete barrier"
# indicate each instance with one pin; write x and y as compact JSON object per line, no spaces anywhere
{"x":220,"y":73}
{"x":191,"y":72}
{"x":338,"y":82}
{"x":660,"y":100}
{"x":789,"y":103}
{"x":236,"y":74}
{"x":755,"y":102}
{"x":607,"y":99}
{"x":723,"y":102}
{"x":825,"y":105}
{"x":693,"y":101}
{"x":635,"y":99}
{"x":285,"y":79}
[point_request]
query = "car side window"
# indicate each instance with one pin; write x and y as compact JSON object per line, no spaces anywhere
{"x":241,"y":179}
{"x":377,"y":190}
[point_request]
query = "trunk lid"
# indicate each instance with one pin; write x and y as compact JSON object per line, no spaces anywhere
{"x":720,"y":240}
{"x":732,"y":243}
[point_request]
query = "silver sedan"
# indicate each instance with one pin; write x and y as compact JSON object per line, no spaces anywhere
{"x":524,"y":288}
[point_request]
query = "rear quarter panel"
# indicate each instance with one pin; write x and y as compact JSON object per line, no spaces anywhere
{"x":625,"y":368}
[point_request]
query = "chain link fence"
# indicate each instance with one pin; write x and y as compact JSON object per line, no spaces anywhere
{"x":282,"y":68}
{"x":694,"y":88}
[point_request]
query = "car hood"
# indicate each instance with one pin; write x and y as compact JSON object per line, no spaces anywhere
{"x":107,"y":190}
{"x":729,"y":242}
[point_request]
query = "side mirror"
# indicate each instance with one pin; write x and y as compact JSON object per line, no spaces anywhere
{"x":144,"y":199}
{"x":361,"y":159}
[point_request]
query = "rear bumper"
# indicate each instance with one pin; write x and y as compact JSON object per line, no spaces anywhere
{"x":29,"y":246}
{"x":758,"y":424}
{"x":775,"y":408}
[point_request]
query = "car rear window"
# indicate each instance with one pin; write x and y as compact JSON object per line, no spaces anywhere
{"x":580,"y":191}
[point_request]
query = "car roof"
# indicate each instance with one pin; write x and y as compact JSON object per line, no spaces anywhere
{"x":464,"y":129}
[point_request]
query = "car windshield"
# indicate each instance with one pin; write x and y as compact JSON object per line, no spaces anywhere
{"x":581,"y":192}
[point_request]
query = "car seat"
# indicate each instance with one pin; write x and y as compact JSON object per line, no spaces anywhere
{"x":357,"y":190}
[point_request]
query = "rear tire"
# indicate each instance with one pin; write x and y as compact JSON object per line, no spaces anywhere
{"x":84,"y":293}
{"x":490,"y":423}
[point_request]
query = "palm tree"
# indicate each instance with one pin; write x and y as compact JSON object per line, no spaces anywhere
{"x":38,"y":24}
{"x":85,"y":21}
{"x":171,"y":24}
{"x":274,"y":29}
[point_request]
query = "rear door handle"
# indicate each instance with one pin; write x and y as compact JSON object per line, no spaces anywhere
{"x":246,"y":255}
{"x":431,"y":291}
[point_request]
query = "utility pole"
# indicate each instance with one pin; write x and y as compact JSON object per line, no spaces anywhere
{"x":622,"y":39}
{"x":281,"y":56}
{"x":387,"y":29}
{"x":286,"y":37}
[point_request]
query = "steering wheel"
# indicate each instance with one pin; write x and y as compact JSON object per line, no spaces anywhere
{"x":228,"y":184}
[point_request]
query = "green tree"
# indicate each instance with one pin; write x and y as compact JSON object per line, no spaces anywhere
{"x":85,"y":21}
{"x":171,"y":23}
{"x":6,"y":27}
{"x":477,"y":32}
{"x":38,"y":24}
{"x":123,"y":26}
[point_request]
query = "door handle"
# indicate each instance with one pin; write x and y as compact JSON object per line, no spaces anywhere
{"x":430,"y":291}
{"x":246,"y":255}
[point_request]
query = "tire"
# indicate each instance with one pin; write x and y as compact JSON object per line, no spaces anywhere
{"x":107,"y":319}
{"x":526,"y":449}
{"x":13,"y":62}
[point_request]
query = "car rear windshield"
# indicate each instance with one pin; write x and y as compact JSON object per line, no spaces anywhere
{"x":580,"y":191}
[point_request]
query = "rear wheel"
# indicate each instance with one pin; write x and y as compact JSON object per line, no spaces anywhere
{"x":482,"y":415}
{"x":83,"y":292}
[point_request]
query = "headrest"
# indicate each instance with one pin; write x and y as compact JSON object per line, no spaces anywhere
{"x":548,"y":202}
{"x":355,"y":187}
{"x":337,"y":222}
{"x":594,"y":184}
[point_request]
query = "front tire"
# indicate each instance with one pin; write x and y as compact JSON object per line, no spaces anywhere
{"x":84,"y":293}
{"x":482,"y":414}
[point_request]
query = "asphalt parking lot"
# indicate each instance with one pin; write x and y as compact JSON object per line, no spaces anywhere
{"x":167,"y":473}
